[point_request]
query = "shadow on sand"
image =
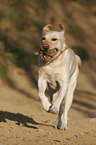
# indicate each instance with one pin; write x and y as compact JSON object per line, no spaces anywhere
{"x":85,"y":102}
{"x":20,"y":119}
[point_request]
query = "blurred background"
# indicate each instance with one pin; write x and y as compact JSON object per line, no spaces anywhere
{"x":21,"y":23}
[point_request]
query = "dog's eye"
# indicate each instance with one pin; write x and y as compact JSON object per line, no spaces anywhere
{"x":54,"y":39}
{"x":43,"y":38}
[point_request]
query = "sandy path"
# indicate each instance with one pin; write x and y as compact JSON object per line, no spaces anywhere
{"x":24,"y":122}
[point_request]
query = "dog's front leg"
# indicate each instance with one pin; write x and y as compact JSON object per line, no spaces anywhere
{"x":61,"y":93}
{"x":42,"y":84}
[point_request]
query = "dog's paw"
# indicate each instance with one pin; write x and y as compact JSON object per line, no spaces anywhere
{"x":53,"y":109}
{"x":60,"y":127}
{"x":46,"y":105}
{"x":64,"y":127}
{"x":57,"y":126}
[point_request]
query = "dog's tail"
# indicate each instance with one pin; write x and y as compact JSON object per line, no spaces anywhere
{"x":78,"y":61}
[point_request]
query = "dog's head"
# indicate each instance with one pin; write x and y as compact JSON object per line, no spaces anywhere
{"x":52,"y":41}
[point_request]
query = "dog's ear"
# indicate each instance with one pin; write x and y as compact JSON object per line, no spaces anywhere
{"x":47,"y":27}
{"x":61,"y":28}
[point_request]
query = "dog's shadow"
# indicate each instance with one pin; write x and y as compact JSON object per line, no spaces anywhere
{"x":19,"y":119}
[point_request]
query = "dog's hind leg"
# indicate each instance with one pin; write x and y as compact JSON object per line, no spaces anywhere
{"x":68,"y":98}
{"x":58,"y":126}
{"x":42,"y":84}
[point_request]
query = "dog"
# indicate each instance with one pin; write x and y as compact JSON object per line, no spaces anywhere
{"x":58,"y":66}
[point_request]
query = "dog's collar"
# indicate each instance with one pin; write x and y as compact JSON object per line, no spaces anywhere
{"x":52,"y":59}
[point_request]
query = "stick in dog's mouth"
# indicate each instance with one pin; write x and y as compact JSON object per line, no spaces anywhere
{"x":47,"y":54}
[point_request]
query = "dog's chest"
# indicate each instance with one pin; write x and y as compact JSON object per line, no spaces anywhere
{"x":52,"y":77}
{"x":52,"y":74}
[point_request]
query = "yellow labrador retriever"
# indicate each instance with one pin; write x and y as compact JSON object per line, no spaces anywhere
{"x":59,"y":67}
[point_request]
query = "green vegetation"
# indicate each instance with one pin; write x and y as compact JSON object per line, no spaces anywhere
{"x":3,"y":74}
{"x":23,"y":59}
{"x":21,"y":23}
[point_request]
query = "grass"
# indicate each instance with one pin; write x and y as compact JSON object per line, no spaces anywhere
{"x":23,"y":59}
{"x":8,"y":13}
{"x":17,"y":52}
{"x":3,"y":74}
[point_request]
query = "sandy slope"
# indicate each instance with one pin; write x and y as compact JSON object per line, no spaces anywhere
{"x":24,"y":122}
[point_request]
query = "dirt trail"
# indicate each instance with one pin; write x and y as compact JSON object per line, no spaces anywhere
{"x":24,"y":122}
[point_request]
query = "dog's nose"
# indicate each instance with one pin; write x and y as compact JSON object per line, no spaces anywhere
{"x":45,"y":46}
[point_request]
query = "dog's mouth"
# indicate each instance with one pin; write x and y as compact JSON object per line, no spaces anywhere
{"x":48,"y":54}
